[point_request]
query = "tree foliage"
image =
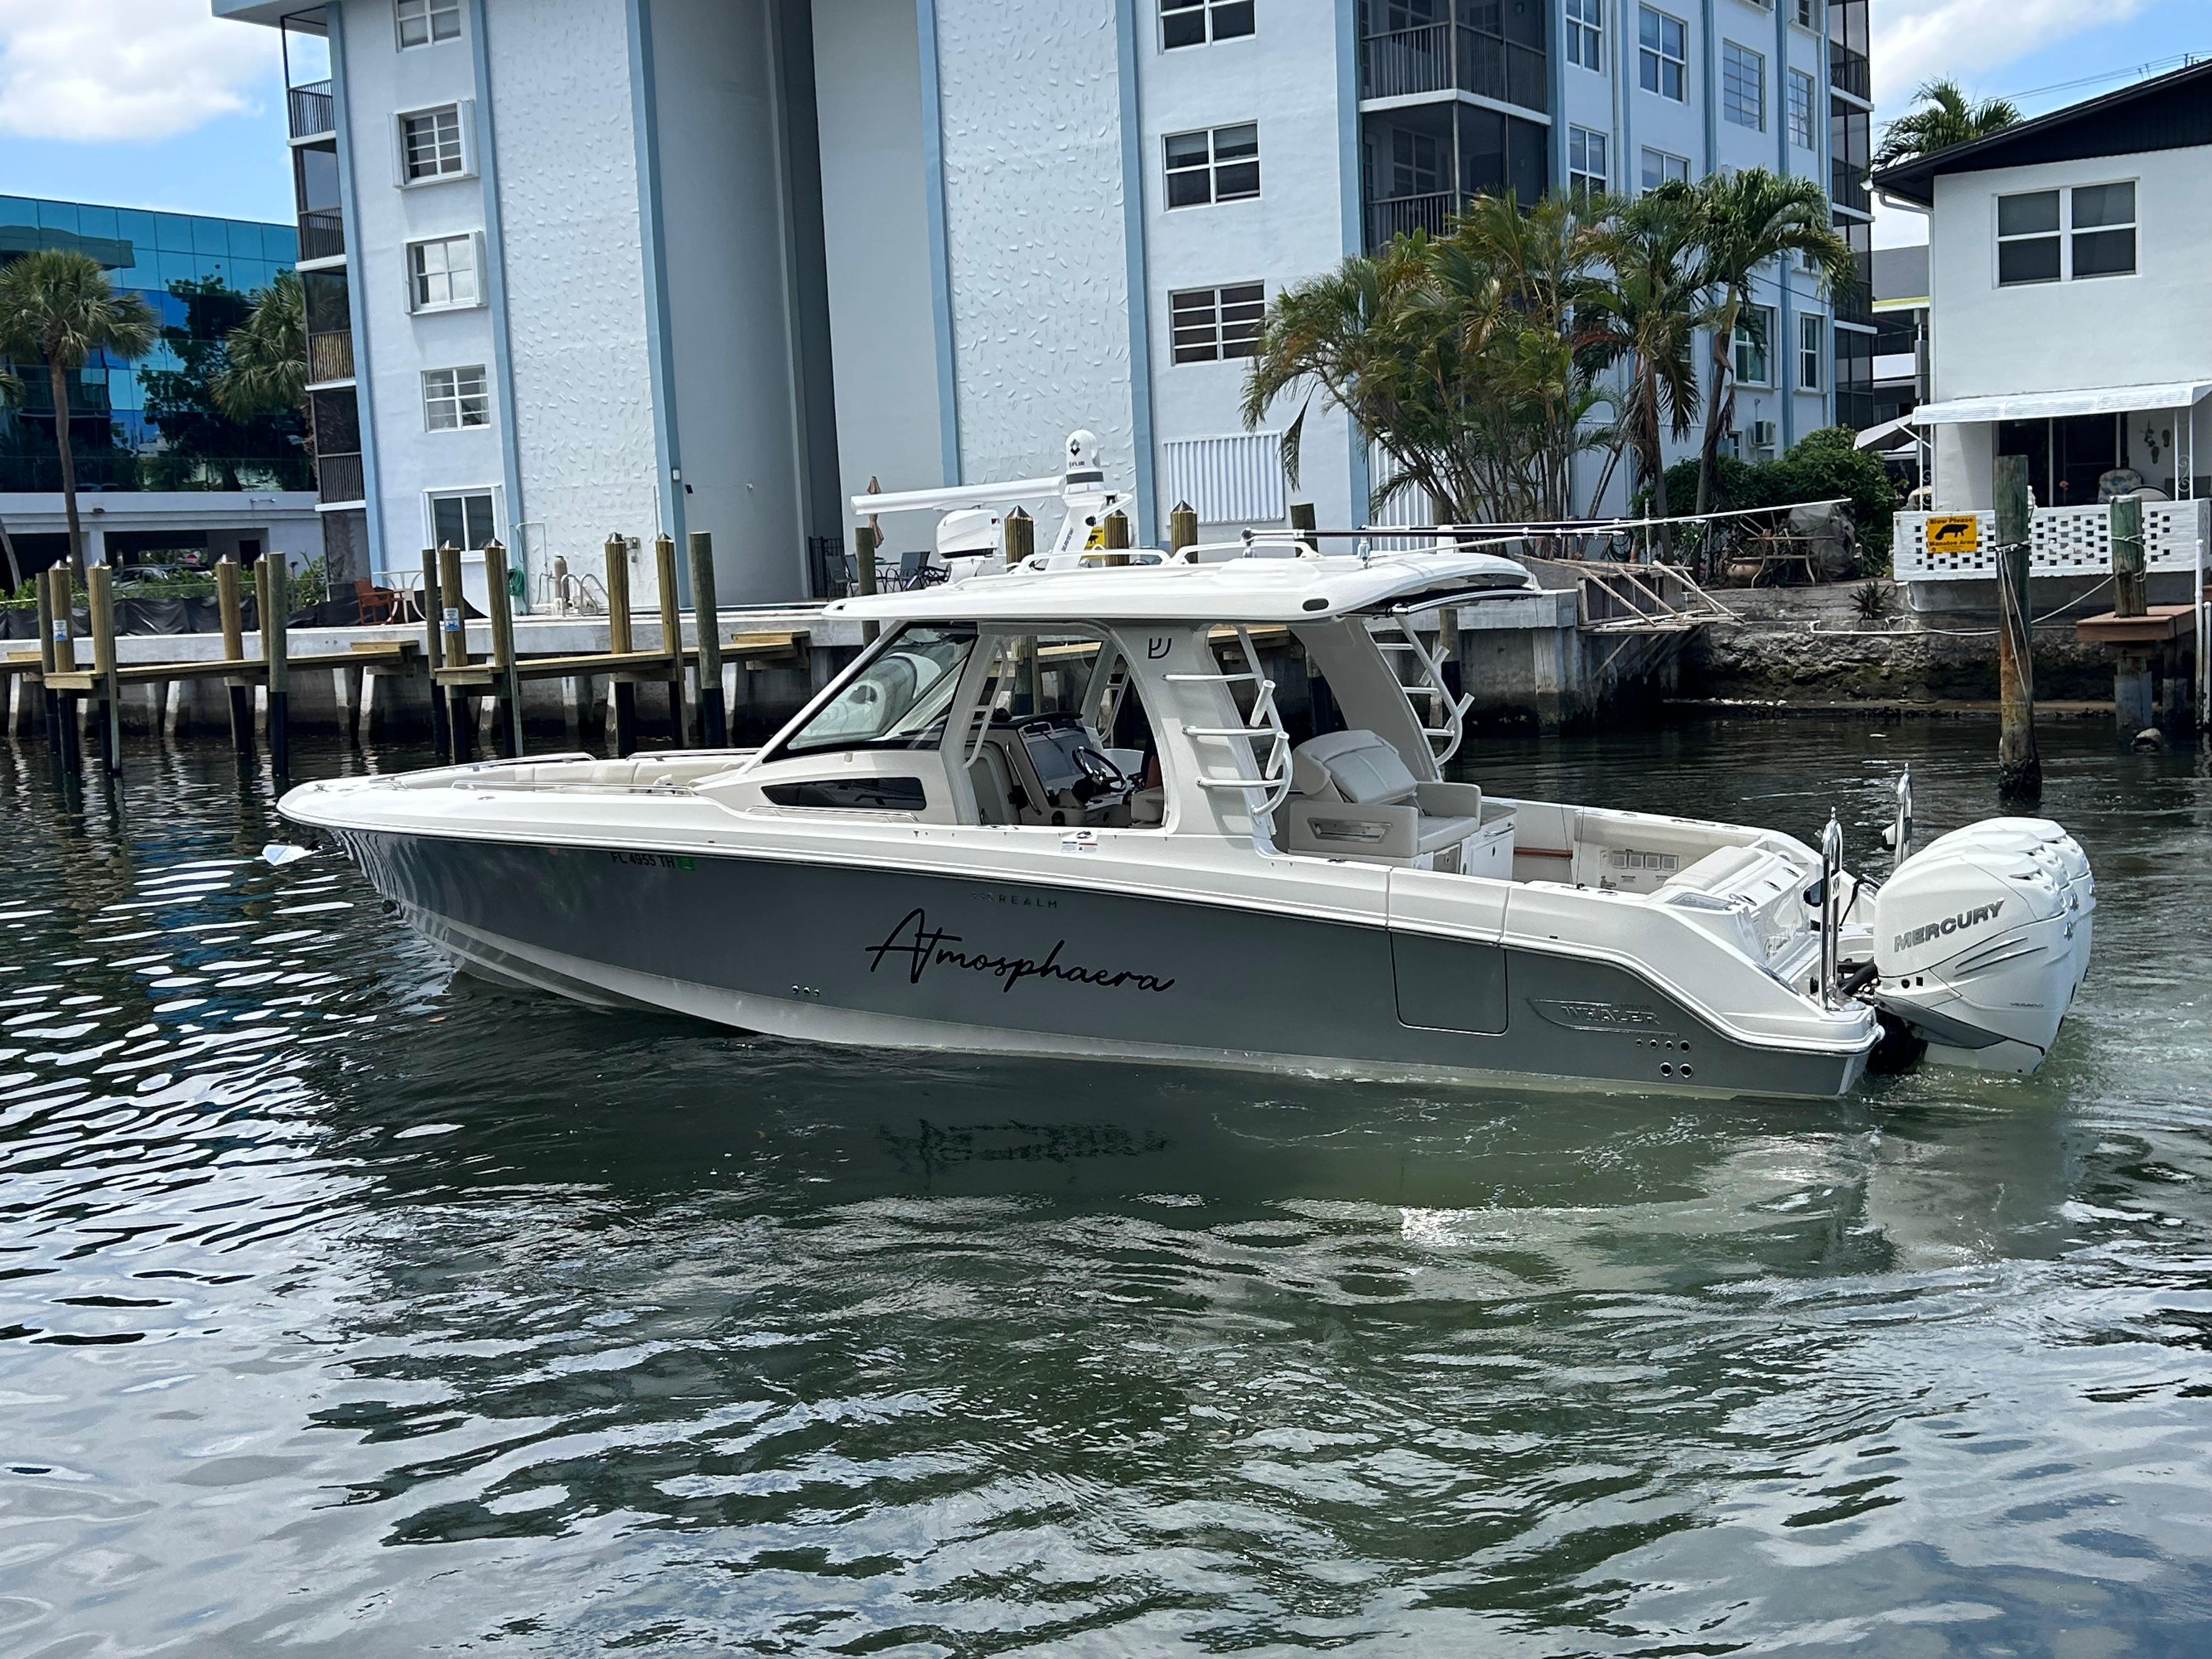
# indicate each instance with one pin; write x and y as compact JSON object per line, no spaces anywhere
{"x":199,"y":425}
{"x":57,"y":308}
{"x":1463,"y":357}
{"x":1946,"y":117}
{"x":265,"y":369}
{"x":1822,"y":466}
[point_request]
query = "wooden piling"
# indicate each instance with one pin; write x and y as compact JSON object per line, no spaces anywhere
{"x":618,"y":642}
{"x":233,"y":650}
{"x":62,"y":602}
{"x":2020,"y":769}
{"x":705,"y":618}
{"x":453,"y":618}
{"x":1182,"y":526}
{"x":42,"y":585}
{"x":434,"y":654}
{"x":1114,"y":537}
{"x":100,"y":588}
{"x":2134,"y":707}
{"x":671,"y":631}
{"x":272,"y":598}
{"x":864,"y":573}
{"x":498,"y":608}
{"x":1020,"y":532}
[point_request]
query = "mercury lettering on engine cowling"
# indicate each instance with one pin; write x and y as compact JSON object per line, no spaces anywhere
{"x":1958,"y":923}
{"x":924,"y":947}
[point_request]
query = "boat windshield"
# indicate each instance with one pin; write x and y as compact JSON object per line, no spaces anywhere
{"x":898,"y":702}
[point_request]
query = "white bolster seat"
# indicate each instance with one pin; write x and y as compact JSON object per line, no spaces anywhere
{"x":1354,"y":796}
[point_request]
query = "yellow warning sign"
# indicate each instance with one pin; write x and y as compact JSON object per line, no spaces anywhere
{"x":1959,"y":532}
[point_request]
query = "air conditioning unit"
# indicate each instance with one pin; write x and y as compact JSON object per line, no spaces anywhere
{"x":1762,"y":434}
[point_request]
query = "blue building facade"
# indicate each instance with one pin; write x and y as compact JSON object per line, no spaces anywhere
{"x":145,"y":252}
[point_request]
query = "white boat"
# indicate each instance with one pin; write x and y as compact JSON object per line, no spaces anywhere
{"x":1054,"y":811}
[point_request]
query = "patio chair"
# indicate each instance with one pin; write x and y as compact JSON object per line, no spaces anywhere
{"x":374,"y":603}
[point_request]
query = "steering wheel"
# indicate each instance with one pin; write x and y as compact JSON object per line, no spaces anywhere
{"x":1100,"y":773}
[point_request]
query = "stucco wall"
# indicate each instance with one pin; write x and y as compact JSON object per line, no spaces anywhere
{"x":569,"y":194}
{"x":1033,"y":216}
{"x":2058,"y":337}
{"x":868,"y":89}
{"x":724,"y":244}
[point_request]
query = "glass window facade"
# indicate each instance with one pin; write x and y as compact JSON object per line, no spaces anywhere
{"x":143,"y":253}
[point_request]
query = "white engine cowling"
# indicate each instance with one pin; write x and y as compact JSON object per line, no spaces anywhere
{"x":1981,"y":939}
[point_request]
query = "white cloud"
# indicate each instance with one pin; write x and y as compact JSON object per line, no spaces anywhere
{"x":106,"y":70}
{"x":1917,"y":41}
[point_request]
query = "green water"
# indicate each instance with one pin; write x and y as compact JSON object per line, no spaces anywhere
{"x":348,"y":1309}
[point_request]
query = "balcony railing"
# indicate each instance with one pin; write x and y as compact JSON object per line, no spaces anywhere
{"x":310,"y":110}
{"x":322,"y":235}
{"x":341,"y":478}
{"x":1398,"y":215}
{"x":330,"y":356}
{"x":1451,"y":57}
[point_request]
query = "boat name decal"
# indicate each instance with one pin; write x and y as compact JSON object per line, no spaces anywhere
{"x":1958,"y":923}
{"x":922,"y":947}
{"x":1598,"y":1015}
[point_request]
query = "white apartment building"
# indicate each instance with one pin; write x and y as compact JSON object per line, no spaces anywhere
{"x":577,"y":267}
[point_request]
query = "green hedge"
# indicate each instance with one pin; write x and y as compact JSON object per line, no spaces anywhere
{"x":1821,"y":466}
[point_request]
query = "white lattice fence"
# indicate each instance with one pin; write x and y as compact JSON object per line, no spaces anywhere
{"x":2064,"y":541}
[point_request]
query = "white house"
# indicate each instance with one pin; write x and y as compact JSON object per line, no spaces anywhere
{"x":2071,"y":299}
{"x":575,"y":266}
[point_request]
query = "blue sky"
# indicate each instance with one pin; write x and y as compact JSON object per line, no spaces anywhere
{"x":156,"y":104}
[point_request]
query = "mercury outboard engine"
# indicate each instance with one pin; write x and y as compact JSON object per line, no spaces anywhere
{"x":1981,"y":939}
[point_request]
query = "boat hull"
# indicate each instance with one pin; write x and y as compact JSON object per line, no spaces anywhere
{"x":842,"y":952}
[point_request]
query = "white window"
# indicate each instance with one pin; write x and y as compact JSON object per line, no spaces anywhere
{"x":1812,"y":350}
{"x":1662,"y":168}
{"x":442,"y":274}
{"x":1754,"y":327}
{"x":1193,"y":22}
{"x":1588,"y":168}
{"x":1220,"y":165}
{"x":1808,"y":15}
{"x":461,"y":518}
{"x":1661,"y":54}
{"x":1209,"y":324}
{"x":1586,"y":33}
{"x":422,"y":22}
{"x":430,"y":145}
{"x":453,"y":398}
{"x":1743,"y":87}
{"x":2104,"y":224}
{"x":2099,"y":238}
{"x":1800,"y":109}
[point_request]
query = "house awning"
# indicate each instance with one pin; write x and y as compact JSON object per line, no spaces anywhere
{"x":2055,"y":405}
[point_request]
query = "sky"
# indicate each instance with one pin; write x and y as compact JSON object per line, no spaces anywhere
{"x":156,"y":104}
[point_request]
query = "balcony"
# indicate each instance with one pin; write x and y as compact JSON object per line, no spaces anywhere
{"x":340,"y":480}
{"x":1398,"y":215}
{"x":1848,"y":72}
{"x":330,"y":356}
{"x":1451,"y":57}
{"x":322,"y":235}
{"x":1847,"y":186}
{"x":310,"y":111}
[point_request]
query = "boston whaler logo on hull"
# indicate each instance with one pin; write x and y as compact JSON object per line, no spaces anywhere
{"x":1958,"y":923}
{"x":921,"y":947}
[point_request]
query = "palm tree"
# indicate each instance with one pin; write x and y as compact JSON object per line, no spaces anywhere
{"x":1648,"y":315}
{"x":1746,"y":220}
{"x":1945,"y":118}
{"x":60,"y":307}
{"x":11,"y":397}
{"x":265,"y":367}
{"x":1456,"y":354}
